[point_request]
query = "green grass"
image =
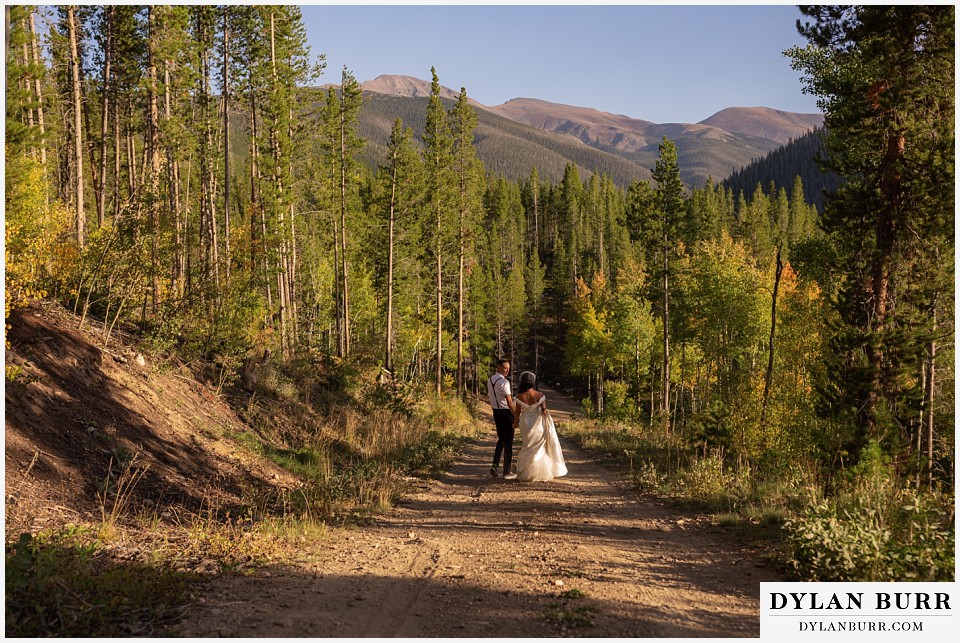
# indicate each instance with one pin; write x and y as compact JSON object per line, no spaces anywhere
{"x":571,"y":617}
{"x":64,"y":584}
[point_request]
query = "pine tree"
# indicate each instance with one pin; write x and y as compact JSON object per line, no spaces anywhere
{"x":403,"y":195}
{"x":348,"y":146}
{"x":23,"y":133}
{"x":438,"y":161}
{"x":668,"y":203}
{"x":71,"y":26}
{"x":470,"y":181}
{"x":535,"y":282}
{"x":884,"y":77}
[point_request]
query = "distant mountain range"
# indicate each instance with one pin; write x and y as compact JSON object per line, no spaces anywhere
{"x":524,"y":132}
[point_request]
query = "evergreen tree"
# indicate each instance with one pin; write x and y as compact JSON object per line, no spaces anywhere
{"x":348,"y":147}
{"x":535,"y":283}
{"x":884,"y":77}
{"x":402,"y":194}
{"x":441,"y":192}
{"x":468,"y":172}
{"x":667,"y":222}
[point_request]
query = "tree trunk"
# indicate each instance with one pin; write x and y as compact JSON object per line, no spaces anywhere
{"x":292,"y":280}
{"x":439,"y":303}
{"x":337,"y":284}
{"x":173,"y":183}
{"x":89,"y":138}
{"x":131,"y":162}
{"x":463,"y":242}
{"x":283,"y":260}
{"x":226,"y":142}
{"x":37,"y":88}
{"x":388,"y":358}
{"x":79,"y":213}
{"x":116,"y":159}
{"x":343,"y":227}
{"x":153,"y":155}
{"x":254,"y":201}
{"x":666,"y":333}
{"x":105,"y":119}
{"x":208,"y":181}
{"x":891,"y":185}
{"x":768,"y":379}
{"x":931,"y":380}
{"x":26,"y":85}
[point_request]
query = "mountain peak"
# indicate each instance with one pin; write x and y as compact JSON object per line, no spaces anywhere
{"x":765,"y":122}
{"x":409,"y":86}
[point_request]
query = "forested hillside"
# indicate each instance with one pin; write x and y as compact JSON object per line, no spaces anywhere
{"x":506,"y":148}
{"x":739,"y":348}
{"x":799,"y":157}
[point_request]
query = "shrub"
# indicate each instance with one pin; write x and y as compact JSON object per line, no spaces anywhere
{"x":64,"y":584}
{"x":617,"y":401}
{"x":873,"y":529}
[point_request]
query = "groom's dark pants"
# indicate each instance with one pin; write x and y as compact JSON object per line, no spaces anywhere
{"x":503,"y":418}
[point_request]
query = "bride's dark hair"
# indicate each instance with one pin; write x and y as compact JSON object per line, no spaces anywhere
{"x":527,"y":382}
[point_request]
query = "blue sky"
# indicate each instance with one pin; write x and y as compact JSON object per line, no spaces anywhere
{"x":658,"y":63}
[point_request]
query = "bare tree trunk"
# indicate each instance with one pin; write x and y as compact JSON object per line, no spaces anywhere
{"x":343,"y":227}
{"x":208,"y":181}
{"x":917,"y":435}
{"x":173,"y":181}
{"x":338,"y":298}
{"x":463,"y":243}
{"x":292,"y":275}
{"x":89,"y":138}
{"x":116,"y":159}
{"x":439,"y":304}
{"x":131,"y":163}
{"x":768,"y":379}
{"x":666,"y":333}
{"x":283,"y":287}
{"x":388,"y":357}
{"x":293,"y":267}
{"x":254,"y":223}
{"x":226,"y":142}
{"x":37,"y":88}
{"x":153,"y":155}
{"x":105,"y":118}
{"x":27,"y":86}
{"x":931,"y":380}
{"x":79,"y":213}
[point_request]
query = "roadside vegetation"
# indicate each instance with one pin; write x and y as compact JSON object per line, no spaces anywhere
{"x":864,"y":524}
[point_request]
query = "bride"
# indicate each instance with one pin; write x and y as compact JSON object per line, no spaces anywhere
{"x":540,"y":456}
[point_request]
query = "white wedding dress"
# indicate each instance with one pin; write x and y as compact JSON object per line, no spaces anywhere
{"x":540,"y":457}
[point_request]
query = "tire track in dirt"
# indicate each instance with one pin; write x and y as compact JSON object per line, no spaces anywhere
{"x":471,"y":555}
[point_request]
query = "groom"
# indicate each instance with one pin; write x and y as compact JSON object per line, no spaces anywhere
{"x":501,"y":401}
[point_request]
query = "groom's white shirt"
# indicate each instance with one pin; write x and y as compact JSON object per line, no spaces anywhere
{"x":498,"y":388}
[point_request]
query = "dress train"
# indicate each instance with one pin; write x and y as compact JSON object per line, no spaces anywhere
{"x":540,"y":456}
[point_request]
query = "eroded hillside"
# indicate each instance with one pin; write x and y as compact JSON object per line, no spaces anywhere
{"x":78,"y":411}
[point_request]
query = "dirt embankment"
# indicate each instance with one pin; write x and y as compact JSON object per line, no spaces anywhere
{"x":471,"y":555}
{"x":79,"y":410}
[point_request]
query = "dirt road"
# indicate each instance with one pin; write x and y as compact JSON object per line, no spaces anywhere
{"x":471,"y":555}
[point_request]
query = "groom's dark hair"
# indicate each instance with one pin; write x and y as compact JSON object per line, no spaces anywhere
{"x":502,"y":360}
